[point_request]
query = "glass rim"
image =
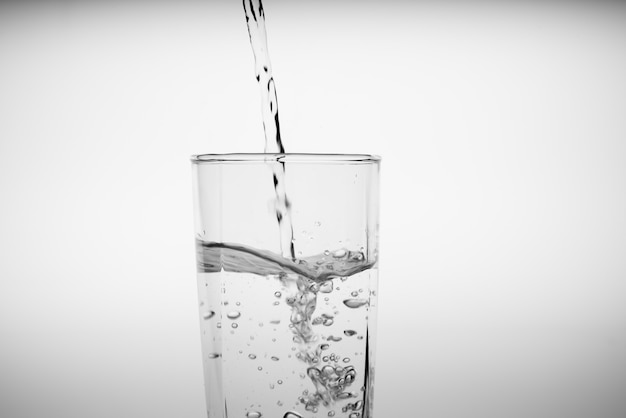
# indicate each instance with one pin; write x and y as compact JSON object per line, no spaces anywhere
{"x":285,"y":158}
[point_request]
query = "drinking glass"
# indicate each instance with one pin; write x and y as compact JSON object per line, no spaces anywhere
{"x":287,"y":271}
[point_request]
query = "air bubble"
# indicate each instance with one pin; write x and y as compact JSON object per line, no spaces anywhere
{"x":251,"y":356}
{"x":253,"y":414}
{"x":326,"y":287}
{"x":274,"y":358}
{"x":208,"y":315}
{"x":278,"y":294}
{"x":355,"y":293}
{"x":349,"y":332}
{"x":355,"y":303}
{"x":331,"y":338}
{"x":233,"y":315}
{"x":357,"y":257}
{"x":214,"y":355}
{"x":340,"y":253}
{"x":292,"y":415}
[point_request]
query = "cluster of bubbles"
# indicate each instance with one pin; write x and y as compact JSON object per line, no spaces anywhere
{"x":330,"y":383}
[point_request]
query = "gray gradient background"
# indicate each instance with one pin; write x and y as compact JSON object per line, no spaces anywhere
{"x":503,"y":131}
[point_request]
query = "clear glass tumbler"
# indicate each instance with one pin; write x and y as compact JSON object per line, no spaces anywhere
{"x":287,"y":261}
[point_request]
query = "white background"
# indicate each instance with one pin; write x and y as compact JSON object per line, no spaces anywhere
{"x":502,"y":128}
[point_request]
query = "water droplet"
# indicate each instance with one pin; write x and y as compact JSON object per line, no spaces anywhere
{"x":278,"y":294}
{"x":214,"y":355}
{"x":233,"y":315}
{"x":331,"y":338}
{"x":234,"y":325}
{"x":331,"y":414}
{"x":340,"y":253}
{"x":349,"y":332}
{"x":276,"y":303}
{"x":292,"y":415}
{"x":259,"y":368}
{"x":346,"y":359}
{"x":251,"y":356}
{"x":355,"y":303}
{"x":275,"y":358}
{"x":280,"y":382}
{"x":324,"y":347}
{"x":355,"y":293}
{"x":208,"y":315}
{"x":326,"y":252}
{"x":253,"y":414}
{"x":354,"y":415}
{"x":219,"y":325}
{"x":328,"y":322}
